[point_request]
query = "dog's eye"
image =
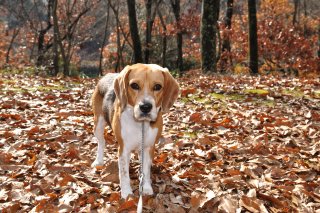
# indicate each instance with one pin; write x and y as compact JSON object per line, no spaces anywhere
{"x":135,"y":86}
{"x":157,"y":87}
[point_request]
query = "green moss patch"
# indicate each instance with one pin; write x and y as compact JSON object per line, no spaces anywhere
{"x":256,"y":91}
{"x":294,"y":93}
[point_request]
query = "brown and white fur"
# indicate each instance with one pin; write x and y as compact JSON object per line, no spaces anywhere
{"x":139,"y":93}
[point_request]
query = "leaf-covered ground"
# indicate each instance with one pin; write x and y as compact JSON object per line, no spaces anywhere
{"x":231,"y":144}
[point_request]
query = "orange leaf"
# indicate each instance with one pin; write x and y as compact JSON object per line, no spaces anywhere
{"x":33,"y":131}
{"x":195,"y":117}
{"x":33,"y":158}
{"x":233,"y":172}
{"x":196,"y":199}
{"x":127,"y":205}
{"x":186,"y":92}
{"x":72,"y":152}
{"x":161,"y":158}
{"x":114,"y":197}
{"x":91,"y":198}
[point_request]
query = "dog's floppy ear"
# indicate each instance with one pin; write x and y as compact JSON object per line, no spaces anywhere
{"x":121,"y":86}
{"x":171,"y":90}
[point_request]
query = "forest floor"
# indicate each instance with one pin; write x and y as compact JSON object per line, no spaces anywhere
{"x":231,"y":144}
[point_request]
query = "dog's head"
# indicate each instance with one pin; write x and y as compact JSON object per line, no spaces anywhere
{"x":148,"y":88}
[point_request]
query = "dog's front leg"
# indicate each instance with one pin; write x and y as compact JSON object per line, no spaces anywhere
{"x":147,"y":161}
{"x":124,"y":161}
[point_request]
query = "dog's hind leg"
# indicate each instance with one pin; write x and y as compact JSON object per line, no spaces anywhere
{"x":99,"y":125}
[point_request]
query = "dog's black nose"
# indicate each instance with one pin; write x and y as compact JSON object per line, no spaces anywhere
{"x":145,"y":107}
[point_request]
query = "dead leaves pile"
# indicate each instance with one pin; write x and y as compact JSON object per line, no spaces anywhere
{"x":231,"y":144}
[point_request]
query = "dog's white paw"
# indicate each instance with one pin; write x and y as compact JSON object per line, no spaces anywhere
{"x":147,"y":189}
{"x":97,"y":163}
{"x":125,"y":191}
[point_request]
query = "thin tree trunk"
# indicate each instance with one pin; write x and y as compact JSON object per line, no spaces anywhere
{"x":295,"y":12}
{"x":121,"y":58}
{"x":253,"y":38}
{"x":119,"y":52}
{"x":150,"y":16}
{"x":116,"y":13}
{"x":228,"y":20}
{"x":226,"y":43}
{"x":305,"y":18}
{"x":176,"y":11}
{"x":164,"y":39}
{"x":318,"y":46}
{"x":115,"y":10}
{"x":71,"y":27}
{"x":14,"y":36}
{"x":120,"y":62}
{"x":209,"y":18}
{"x":148,"y":30}
{"x":42,"y":33}
{"x":33,"y":47}
{"x":134,"y":31}
{"x":104,"y":40}
{"x":58,"y":38}
{"x":180,"y":53}
{"x":55,"y":53}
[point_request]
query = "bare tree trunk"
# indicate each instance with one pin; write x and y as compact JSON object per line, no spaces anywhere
{"x":150,"y":16}
{"x":115,"y":9}
{"x":295,"y":12}
{"x":55,"y":55}
{"x":208,"y":36}
{"x":305,"y":18}
{"x":319,"y":46}
{"x":14,"y":36}
{"x":134,"y":31}
{"x":42,"y":33}
{"x":176,"y":11}
{"x":55,"y":40}
{"x":253,"y":38}
{"x":35,"y":36}
{"x":228,"y":20}
{"x":104,"y":39}
{"x":164,"y":39}
{"x":148,"y":30}
{"x":70,"y":28}
{"x":180,"y":53}
{"x":226,"y":43}
{"x":58,"y":37}
{"x":119,"y":52}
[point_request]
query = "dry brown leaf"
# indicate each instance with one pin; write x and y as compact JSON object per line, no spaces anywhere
{"x":228,"y":204}
{"x":66,"y":178}
{"x":249,"y":204}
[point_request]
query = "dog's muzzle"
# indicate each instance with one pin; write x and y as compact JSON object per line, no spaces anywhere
{"x":146,"y":110}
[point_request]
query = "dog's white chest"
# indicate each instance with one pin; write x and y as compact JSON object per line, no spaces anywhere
{"x":131,"y":131}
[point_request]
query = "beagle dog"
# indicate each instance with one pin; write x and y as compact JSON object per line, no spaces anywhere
{"x":139,"y":93}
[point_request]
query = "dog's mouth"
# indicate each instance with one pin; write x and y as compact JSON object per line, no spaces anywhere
{"x":144,"y":117}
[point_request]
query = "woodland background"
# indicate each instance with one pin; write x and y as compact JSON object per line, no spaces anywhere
{"x":233,"y":142}
{"x":88,"y":37}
